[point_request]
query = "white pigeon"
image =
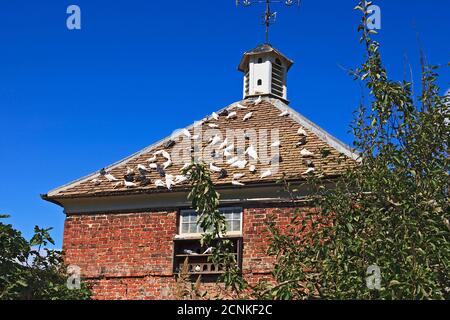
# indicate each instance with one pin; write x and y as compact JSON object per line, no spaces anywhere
{"x":306,"y":153}
{"x":160,"y":183}
{"x":309,"y":170}
{"x":213,"y":125}
{"x":129,"y":170}
{"x":284,"y":113}
{"x":214,"y":140}
{"x":186,"y":165}
{"x":232,"y":160}
{"x":258,"y":101}
{"x":223,"y":144}
{"x":214,"y":168}
{"x":252,"y":168}
{"x":180,"y":179}
{"x":153,"y":165}
{"x":302,"y":132}
{"x":169,"y":181}
{"x":209,"y":250}
{"x":152,"y":159}
{"x":129,"y":184}
{"x":186,"y":133}
{"x":229,"y":148}
{"x":117,"y":184}
{"x":232,"y":115}
{"x":276,"y":144}
{"x":167,"y":164}
{"x":165,"y":154}
{"x":237,"y":176}
{"x":247,"y":116}
{"x":96,"y":182}
{"x":227,"y":153}
{"x":215,"y":116}
{"x":237,"y":183}
{"x":252,"y":152}
{"x":266,"y":173}
{"x":240,"y":106}
{"x":142,"y":167}
{"x":240,"y":164}
{"x":110,"y":177}
{"x":195,"y":137}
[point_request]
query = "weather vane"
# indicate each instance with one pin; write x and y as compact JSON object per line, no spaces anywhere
{"x":269,"y":16}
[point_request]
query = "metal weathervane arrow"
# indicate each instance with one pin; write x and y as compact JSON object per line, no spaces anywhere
{"x":269,"y":15}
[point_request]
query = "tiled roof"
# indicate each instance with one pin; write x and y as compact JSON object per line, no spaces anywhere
{"x":316,"y":152}
{"x":261,"y":49}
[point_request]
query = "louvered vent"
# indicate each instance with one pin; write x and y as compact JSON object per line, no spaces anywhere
{"x":247,"y":84}
{"x":277,"y":79}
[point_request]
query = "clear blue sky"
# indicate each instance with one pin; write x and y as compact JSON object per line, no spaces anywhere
{"x":72,"y":102}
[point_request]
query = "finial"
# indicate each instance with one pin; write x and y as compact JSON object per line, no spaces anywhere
{"x":269,"y":15}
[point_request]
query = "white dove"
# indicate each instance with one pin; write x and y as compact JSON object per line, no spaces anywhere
{"x":186,"y":133}
{"x":309,"y":170}
{"x":215,"y":116}
{"x":180,"y":179}
{"x":237,"y":183}
{"x":258,"y":101}
{"x":153,"y":165}
{"x":229,"y":148}
{"x":167,"y":164}
{"x":306,"y":153}
{"x":110,"y":177}
{"x":302,"y":132}
{"x":276,"y":144}
{"x":160,"y":183}
{"x":165,"y":154}
{"x":266,"y":173}
{"x":195,"y":137}
{"x":214,"y":168}
{"x":214,"y":140}
{"x":247,"y":116}
{"x":284,"y":113}
{"x":240,"y":106}
{"x":152,"y":159}
{"x":117,"y":184}
{"x":232,"y":115}
{"x":240,"y":164}
{"x":213,"y":125}
{"x":232,"y":160}
{"x":227,"y":153}
{"x":252,"y":152}
{"x":186,"y":165}
{"x":237,"y":176}
{"x":142,"y":167}
{"x":252,"y":168}
{"x":223,"y":144}
{"x":129,"y":184}
{"x":96,"y":182}
{"x":129,"y":170}
{"x":169,"y":181}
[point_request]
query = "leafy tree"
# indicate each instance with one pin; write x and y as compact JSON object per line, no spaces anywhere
{"x":31,"y":271}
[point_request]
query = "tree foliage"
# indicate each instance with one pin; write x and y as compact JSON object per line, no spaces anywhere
{"x":31,"y":271}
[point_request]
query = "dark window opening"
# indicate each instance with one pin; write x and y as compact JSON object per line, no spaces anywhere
{"x":259,"y":82}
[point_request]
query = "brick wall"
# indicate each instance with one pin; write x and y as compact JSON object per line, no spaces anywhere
{"x":130,"y":255}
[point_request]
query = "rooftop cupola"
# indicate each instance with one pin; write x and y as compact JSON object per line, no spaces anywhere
{"x":265,"y":70}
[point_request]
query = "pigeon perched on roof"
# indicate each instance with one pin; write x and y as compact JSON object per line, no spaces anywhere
{"x":252,"y":168}
{"x":240,"y":106}
{"x":110,"y":177}
{"x":284,"y":113}
{"x":213,"y":125}
{"x":266,"y":173}
{"x":215,"y":116}
{"x":186,"y":133}
{"x":302,"y":132}
{"x":247,"y":116}
{"x":252,"y":152}
{"x":214,"y":168}
{"x":240,"y":164}
{"x":276,"y":144}
{"x":237,"y":183}
{"x":129,"y":184}
{"x":232,"y":115}
{"x":309,"y":170}
{"x":258,"y":101}
{"x":214,"y":140}
{"x":306,"y":153}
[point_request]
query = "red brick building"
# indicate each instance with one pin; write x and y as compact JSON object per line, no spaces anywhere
{"x":129,"y":226}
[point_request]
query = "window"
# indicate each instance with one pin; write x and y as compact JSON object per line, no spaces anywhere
{"x":188,"y":249}
{"x":259,"y":82}
{"x":260,"y":60}
{"x":189,"y":218}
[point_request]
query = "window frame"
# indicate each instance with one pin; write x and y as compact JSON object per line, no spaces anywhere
{"x":180,"y":234}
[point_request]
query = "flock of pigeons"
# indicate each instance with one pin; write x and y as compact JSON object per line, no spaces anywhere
{"x":135,"y":177}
